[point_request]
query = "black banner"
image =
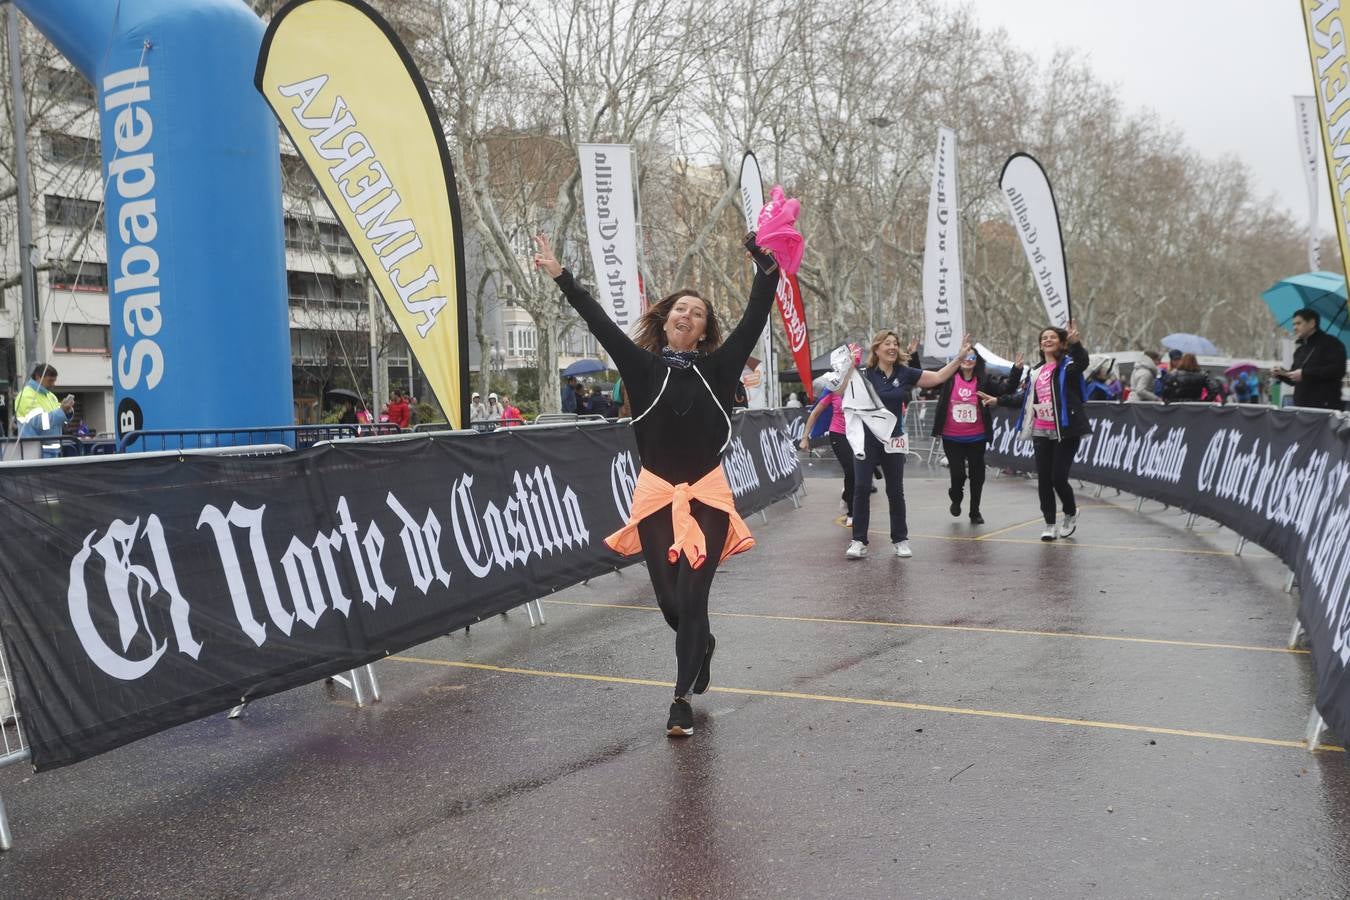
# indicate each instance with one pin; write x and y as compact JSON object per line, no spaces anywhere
{"x":138,"y":593}
{"x":1280,"y":478}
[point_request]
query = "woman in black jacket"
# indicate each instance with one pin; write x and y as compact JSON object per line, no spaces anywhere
{"x":680,"y":375}
{"x":1054,"y":420}
{"x":965,"y":426}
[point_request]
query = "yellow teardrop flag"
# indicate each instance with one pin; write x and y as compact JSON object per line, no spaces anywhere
{"x":347,"y":94}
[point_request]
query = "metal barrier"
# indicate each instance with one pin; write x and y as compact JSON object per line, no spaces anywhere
{"x":488,"y":425}
{"x":298,"y":436}
{"x":13,"y":744}
{"x":13,"y":449}
{"x":563,"y":418}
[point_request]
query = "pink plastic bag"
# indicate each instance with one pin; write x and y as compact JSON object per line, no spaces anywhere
{"x":777,"y":231}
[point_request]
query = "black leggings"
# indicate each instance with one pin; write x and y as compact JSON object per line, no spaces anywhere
{"x":844,"y":453}
{"x":1053,"y":459}
{"x":682,"y":590}
{"x":960,"y":455}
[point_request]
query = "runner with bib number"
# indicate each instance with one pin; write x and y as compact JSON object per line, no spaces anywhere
{"x":962,"y":420}
{"x":891,"y":383}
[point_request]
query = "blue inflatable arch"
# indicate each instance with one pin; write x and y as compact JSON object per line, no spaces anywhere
{"x":196,"y":253}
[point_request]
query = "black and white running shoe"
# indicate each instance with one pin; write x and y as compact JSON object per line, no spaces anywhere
{"x":681,"y":721}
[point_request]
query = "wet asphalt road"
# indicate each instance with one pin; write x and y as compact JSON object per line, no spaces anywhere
{"x":1111,"y":716}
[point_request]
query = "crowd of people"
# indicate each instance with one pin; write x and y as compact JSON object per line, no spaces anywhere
{"x":867,"y":424}
{"x":588,"y":399}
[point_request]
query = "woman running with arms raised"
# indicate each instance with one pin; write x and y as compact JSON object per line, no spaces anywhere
{"x":680,"y":374}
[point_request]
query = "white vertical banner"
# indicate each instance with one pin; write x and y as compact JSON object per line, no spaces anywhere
{"x":611,"y":228}
{"x":1031,"y":202}
{"x":1305,"y":110}
{"x":752,"y":201}
{"x":943,"y":305}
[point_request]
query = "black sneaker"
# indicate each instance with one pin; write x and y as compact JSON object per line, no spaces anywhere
{"x":681,"y":721}
{"x":955,"y":508}
{"x":705,"y":673}
{"x":976,"y":518}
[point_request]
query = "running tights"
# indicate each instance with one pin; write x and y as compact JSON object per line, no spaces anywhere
{"x":682,"y":590}
{"x":844,"y":453}
{"x":963,"y":455}
{"x":1053,"y":459}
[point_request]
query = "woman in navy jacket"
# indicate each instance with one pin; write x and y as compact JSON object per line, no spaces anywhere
{"x":1054,"y":420}
{"x":892,"y":383}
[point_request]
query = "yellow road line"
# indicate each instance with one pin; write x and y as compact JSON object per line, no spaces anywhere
{"x":985,"y":537}
{"x":1204,"y":645}
{"x":888,"y":704}
{"x":1075,"y":544}
{"x":992,"y":538}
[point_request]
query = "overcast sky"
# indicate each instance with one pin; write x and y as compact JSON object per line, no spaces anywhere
{"x":1224,"y":73}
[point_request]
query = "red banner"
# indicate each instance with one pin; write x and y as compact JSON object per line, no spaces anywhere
{"x":794,"y":324}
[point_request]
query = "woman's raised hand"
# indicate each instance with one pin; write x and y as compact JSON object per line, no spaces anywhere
{"x":1074,"y":336}
{"x":1019,"y":359}
{"x":913,"y":346}
{"x":987,"y":399}
{"x":967,"y":346}
{"x":543,"y":257}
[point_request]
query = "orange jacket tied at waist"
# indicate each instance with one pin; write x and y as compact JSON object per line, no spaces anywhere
{"x":652,"y":492}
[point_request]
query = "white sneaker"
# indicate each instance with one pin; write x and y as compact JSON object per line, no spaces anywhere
{"x":856,"y":550}
{"x":843,"y":506}
{"x":1068,"y":525}
{"x":848,"y":521}
{"x":1048,"y":533}
{"x":902,"y":549}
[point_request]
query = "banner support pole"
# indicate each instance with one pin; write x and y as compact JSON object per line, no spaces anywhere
{"x":1315,"y":728}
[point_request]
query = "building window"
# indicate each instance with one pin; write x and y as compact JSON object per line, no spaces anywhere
{"x":67,"y":148}
{"x":79,"y":276}
{"x":296,"y":178}
{"x":349,"y":348}
{"x":526,"y":340}
{"x":71,"y":212}
{"x":319,"y":290}
{"x":396,"y":350}
{"x":75,"y":338}
{"x":66,"y":84}
{"x":311,"y":234}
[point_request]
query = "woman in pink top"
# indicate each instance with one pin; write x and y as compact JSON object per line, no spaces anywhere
{"x":1054,"y":420}
{"x":834,"y":404}
{"x":962,"y":421}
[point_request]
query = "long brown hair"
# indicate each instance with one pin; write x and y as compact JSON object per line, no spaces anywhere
{"x":1187,"y":363}
{"x":1063,"y":335}
{"x":650,"y":333}
{"x":877,"y":340}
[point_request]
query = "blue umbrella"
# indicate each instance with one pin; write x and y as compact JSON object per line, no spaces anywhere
{"x":1322,"y":291}
{"x":584,"y":367}
{"x":1190,"y":343}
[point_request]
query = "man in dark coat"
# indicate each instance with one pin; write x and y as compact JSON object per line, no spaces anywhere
{"x":1319,"y":364}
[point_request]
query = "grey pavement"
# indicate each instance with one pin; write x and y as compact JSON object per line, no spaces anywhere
{"x":1114,"y":715}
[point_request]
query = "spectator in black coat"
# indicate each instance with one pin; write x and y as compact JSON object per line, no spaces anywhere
{"x":1319,"y":364}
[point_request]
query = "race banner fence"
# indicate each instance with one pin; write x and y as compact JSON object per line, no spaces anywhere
{"x":152,"y":591}
{"x":1279,"y":478}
